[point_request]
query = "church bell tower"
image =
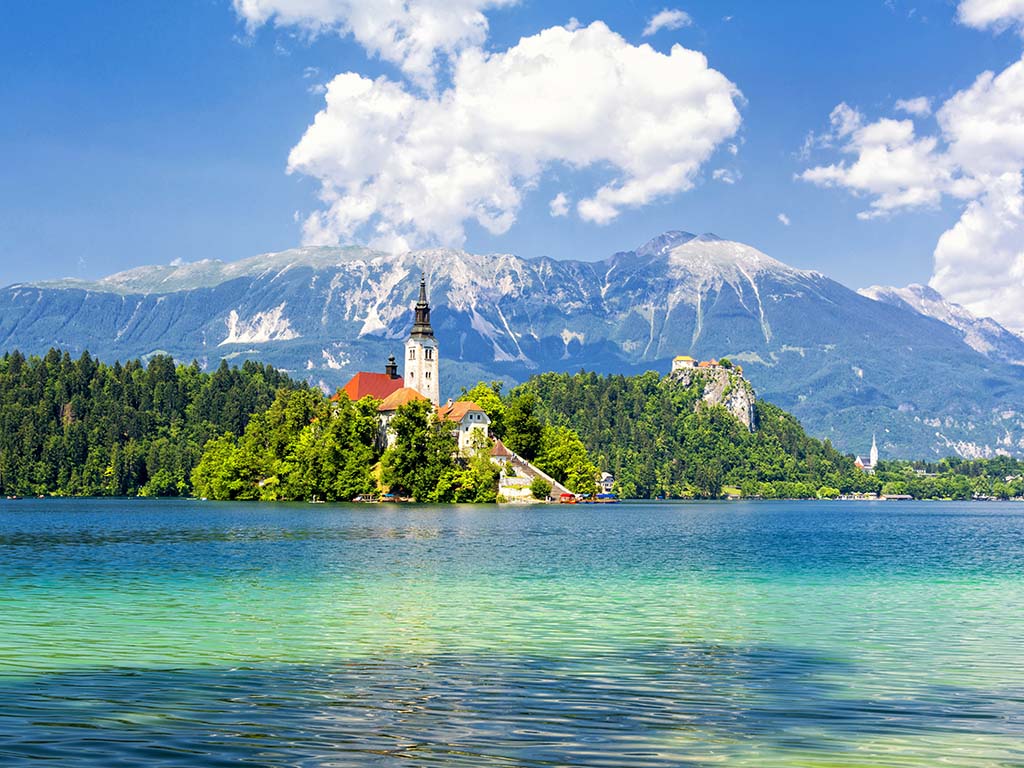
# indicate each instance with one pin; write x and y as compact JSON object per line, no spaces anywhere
{"x":421,"y":358}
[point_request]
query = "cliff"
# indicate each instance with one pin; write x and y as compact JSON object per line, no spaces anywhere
{"x":721,"y":386}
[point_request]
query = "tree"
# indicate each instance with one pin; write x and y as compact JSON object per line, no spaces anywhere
{"x":422,"y":455}
{"x":540,"y":488}
{"x":522,"y":427}
{"x":564,"y":457}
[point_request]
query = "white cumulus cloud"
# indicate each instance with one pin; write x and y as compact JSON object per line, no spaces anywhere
{"x":408,"y":33}
{"x":559,"y":205}
{"x":670,"y":18}
{"x":980,"y":261}
{"x":919,"y":107}
{"x":889,"y":164}
{"x":406,"y":169}
{"x":784,"y":220}
{"x":991,"y":14}
{"x":977,"y":155}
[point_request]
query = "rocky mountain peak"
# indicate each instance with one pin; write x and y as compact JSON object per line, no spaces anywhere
{"x":665,"y":242}
{"x":982,"y":334}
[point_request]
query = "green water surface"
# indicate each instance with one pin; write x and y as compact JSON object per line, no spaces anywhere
{"x":758,"y":634}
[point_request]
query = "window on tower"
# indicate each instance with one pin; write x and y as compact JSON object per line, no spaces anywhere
{"x":428,"y":353}
{"x":412,"y":353}
{"x":427,"y":374}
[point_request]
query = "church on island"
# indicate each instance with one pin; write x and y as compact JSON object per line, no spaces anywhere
{"x":421,"y":381}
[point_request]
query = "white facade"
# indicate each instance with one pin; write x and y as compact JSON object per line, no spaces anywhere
{"x":473,"y":430}
{"x":422,"y":366}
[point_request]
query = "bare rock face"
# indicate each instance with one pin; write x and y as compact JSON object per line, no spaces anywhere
{"x":722,"y":386}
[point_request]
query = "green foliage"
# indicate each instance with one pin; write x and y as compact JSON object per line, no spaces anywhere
{"x":421,"y":463}
{"x":81,"y":427}
{"x":540,"y":488}
{"x":1001,"y":477}
{"x":523,"y":429}
{"x":302,"y":447}
{"x":660,"y":439}
{"x":564,"y":457}
{"x":488,"y":397}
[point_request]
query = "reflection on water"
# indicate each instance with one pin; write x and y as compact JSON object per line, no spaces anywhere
{"x":831,"y":634}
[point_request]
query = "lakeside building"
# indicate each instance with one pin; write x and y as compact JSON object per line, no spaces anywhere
{"x":421,"y":381}
{"x":375,"y":385}
{"x":472,"y":422}
{"x":868,"y":465}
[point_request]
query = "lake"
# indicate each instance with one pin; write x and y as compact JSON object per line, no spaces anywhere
{"x":763,"y":634}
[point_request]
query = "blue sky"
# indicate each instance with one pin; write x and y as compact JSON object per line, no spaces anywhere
{"x":137,"y":133}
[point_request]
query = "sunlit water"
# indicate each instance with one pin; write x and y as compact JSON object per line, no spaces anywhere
{"x":768,"y":634}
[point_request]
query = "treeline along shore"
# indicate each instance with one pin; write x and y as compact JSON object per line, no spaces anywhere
{"x":81,"y":427}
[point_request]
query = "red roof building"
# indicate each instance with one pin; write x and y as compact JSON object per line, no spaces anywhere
{"x":375,"y":385}
{"x":398,"y":398}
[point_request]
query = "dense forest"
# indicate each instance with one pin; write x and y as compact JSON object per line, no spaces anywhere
{"x":659,"y":439}
{"x":81,"y":427}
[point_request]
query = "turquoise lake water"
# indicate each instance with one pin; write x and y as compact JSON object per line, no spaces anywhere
{"x":186,"y":633}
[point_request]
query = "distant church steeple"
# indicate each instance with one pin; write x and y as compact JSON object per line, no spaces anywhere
{"x":873,"y":456}
{"x":421,"y":352}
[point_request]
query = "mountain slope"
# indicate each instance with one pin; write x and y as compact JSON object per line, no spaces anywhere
{"x":845,"y":364}
{"x":982,"y":334}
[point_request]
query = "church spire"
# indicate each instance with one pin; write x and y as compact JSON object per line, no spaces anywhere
{"x":421,"y":326}
{"x":874,"y":451}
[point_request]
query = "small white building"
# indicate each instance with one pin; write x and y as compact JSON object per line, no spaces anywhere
{"x":683,"y":361}
{"x":471,"y":421}
{"x":606,"y":483}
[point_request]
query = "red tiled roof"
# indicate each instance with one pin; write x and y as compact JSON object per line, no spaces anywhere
{"x":400,"y":397}
{"x":457,"y":411}
{"x":376,"y":385}
{"x":499,"y":451}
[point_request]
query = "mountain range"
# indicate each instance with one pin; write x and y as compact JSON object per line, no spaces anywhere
{"x":923,"y":374}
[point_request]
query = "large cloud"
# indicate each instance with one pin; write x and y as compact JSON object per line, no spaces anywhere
{"x":977,"y":155}
{"x":980,"y":261}
{"x":892,"y":164}
{"x":411,"y":169}
{"x":409,"y":33}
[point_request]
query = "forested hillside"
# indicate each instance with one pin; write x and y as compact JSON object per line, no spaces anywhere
{"x":81,"y":427}
{"x":658,"y":439}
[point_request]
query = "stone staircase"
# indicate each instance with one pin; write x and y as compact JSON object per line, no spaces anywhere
{"x":517,"y":487}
